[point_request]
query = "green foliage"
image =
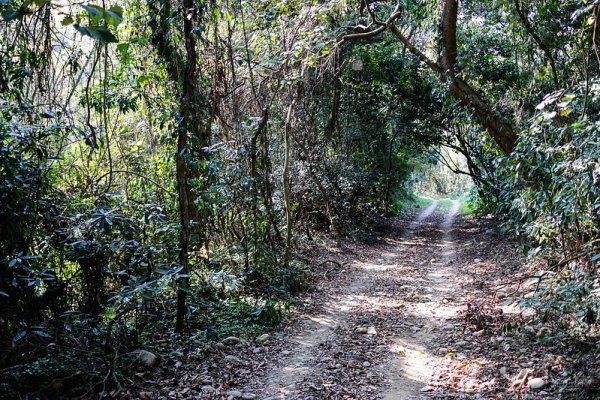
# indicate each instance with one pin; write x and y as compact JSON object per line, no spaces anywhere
{"x":554,"y":172}
{"x":99,"y":19}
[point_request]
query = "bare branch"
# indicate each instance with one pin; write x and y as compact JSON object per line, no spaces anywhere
{"x":418,"y":53}
{"x":382,"y":26}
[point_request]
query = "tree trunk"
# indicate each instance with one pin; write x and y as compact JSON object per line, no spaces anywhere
{"x":500,"y":130}
{"x":388,"y":180}
{"x":287,"y":191}
{"x":336,"y":101}
{"x":193,"y":135}
{"x":330,"y":214}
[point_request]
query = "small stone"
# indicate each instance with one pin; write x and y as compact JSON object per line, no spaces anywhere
{"x":257,"y":350}
{"x":371,"y":331}
{"x":231,"y":340}
{"x":503,"y":371}
{"x":477,"y":260}
{"x":427,"y":389}
{"x":234,"y":360}
{"x":249,"y":396}
{"x":286,"y":353}
{"x":362,"y":330}
{"x":442,"y":351}
{"x":220,"y":346}
{"x":262,"y":339}
{"x":366,"y":364}
{"x":536,"y":383}
{"x":208,"y":389}
{"x":479,"y":333}
{"x":146,"y":358}
{"x":234,"y":394}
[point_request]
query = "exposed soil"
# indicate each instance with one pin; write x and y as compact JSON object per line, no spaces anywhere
{"x":429,"y":311}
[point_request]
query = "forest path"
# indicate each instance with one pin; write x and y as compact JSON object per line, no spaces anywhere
{"x":375,"y":334}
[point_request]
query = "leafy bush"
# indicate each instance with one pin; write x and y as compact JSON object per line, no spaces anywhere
{"x":552,"y":192}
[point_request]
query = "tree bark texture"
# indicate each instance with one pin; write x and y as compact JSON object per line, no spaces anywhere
{"x":193,"y":134}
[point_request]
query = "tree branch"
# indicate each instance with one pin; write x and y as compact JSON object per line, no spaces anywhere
{"x":539,"y":41}
{"x":381,"y":26}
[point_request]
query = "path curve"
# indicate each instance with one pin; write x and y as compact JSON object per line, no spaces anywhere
{"x":376,"y":333}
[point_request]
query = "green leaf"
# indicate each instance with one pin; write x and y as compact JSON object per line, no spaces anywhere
{"x":10,"y":15}
{"x":67,"y":21}
{"x":96,"y":13}
{"x":20,"y":335}
{"x":115,"y":15}
{"x":123,"y":48}
{"x":104,"y":35}
{"x":100,"y":34}
{"x":93,"y":10}
{"x":139,"y":40}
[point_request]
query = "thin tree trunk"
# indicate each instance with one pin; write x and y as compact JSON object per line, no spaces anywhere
{"x":193,"y":135}
{"x":388,"y":183}
{"x":336,"y":101}
{"x":287,"y":191}
{"x":330,"y":215}
{"x":254,"y":174}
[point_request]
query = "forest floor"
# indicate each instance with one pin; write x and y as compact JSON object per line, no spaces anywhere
{"x":430,"y":310}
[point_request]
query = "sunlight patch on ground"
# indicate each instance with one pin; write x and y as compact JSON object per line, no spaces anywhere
{"x":377,"y":267}
{"x":425,"y":214}
{"x":348,"y":302}
{"x":323,"y":320}
{"x":414,"y":364}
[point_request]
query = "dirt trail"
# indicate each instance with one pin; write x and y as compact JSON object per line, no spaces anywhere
{"x":375,"y":334}
{"x":431,"y":310}
{"x":410,"y":368}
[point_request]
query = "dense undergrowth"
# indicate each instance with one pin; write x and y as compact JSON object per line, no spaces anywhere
{"x":163,"y":164}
